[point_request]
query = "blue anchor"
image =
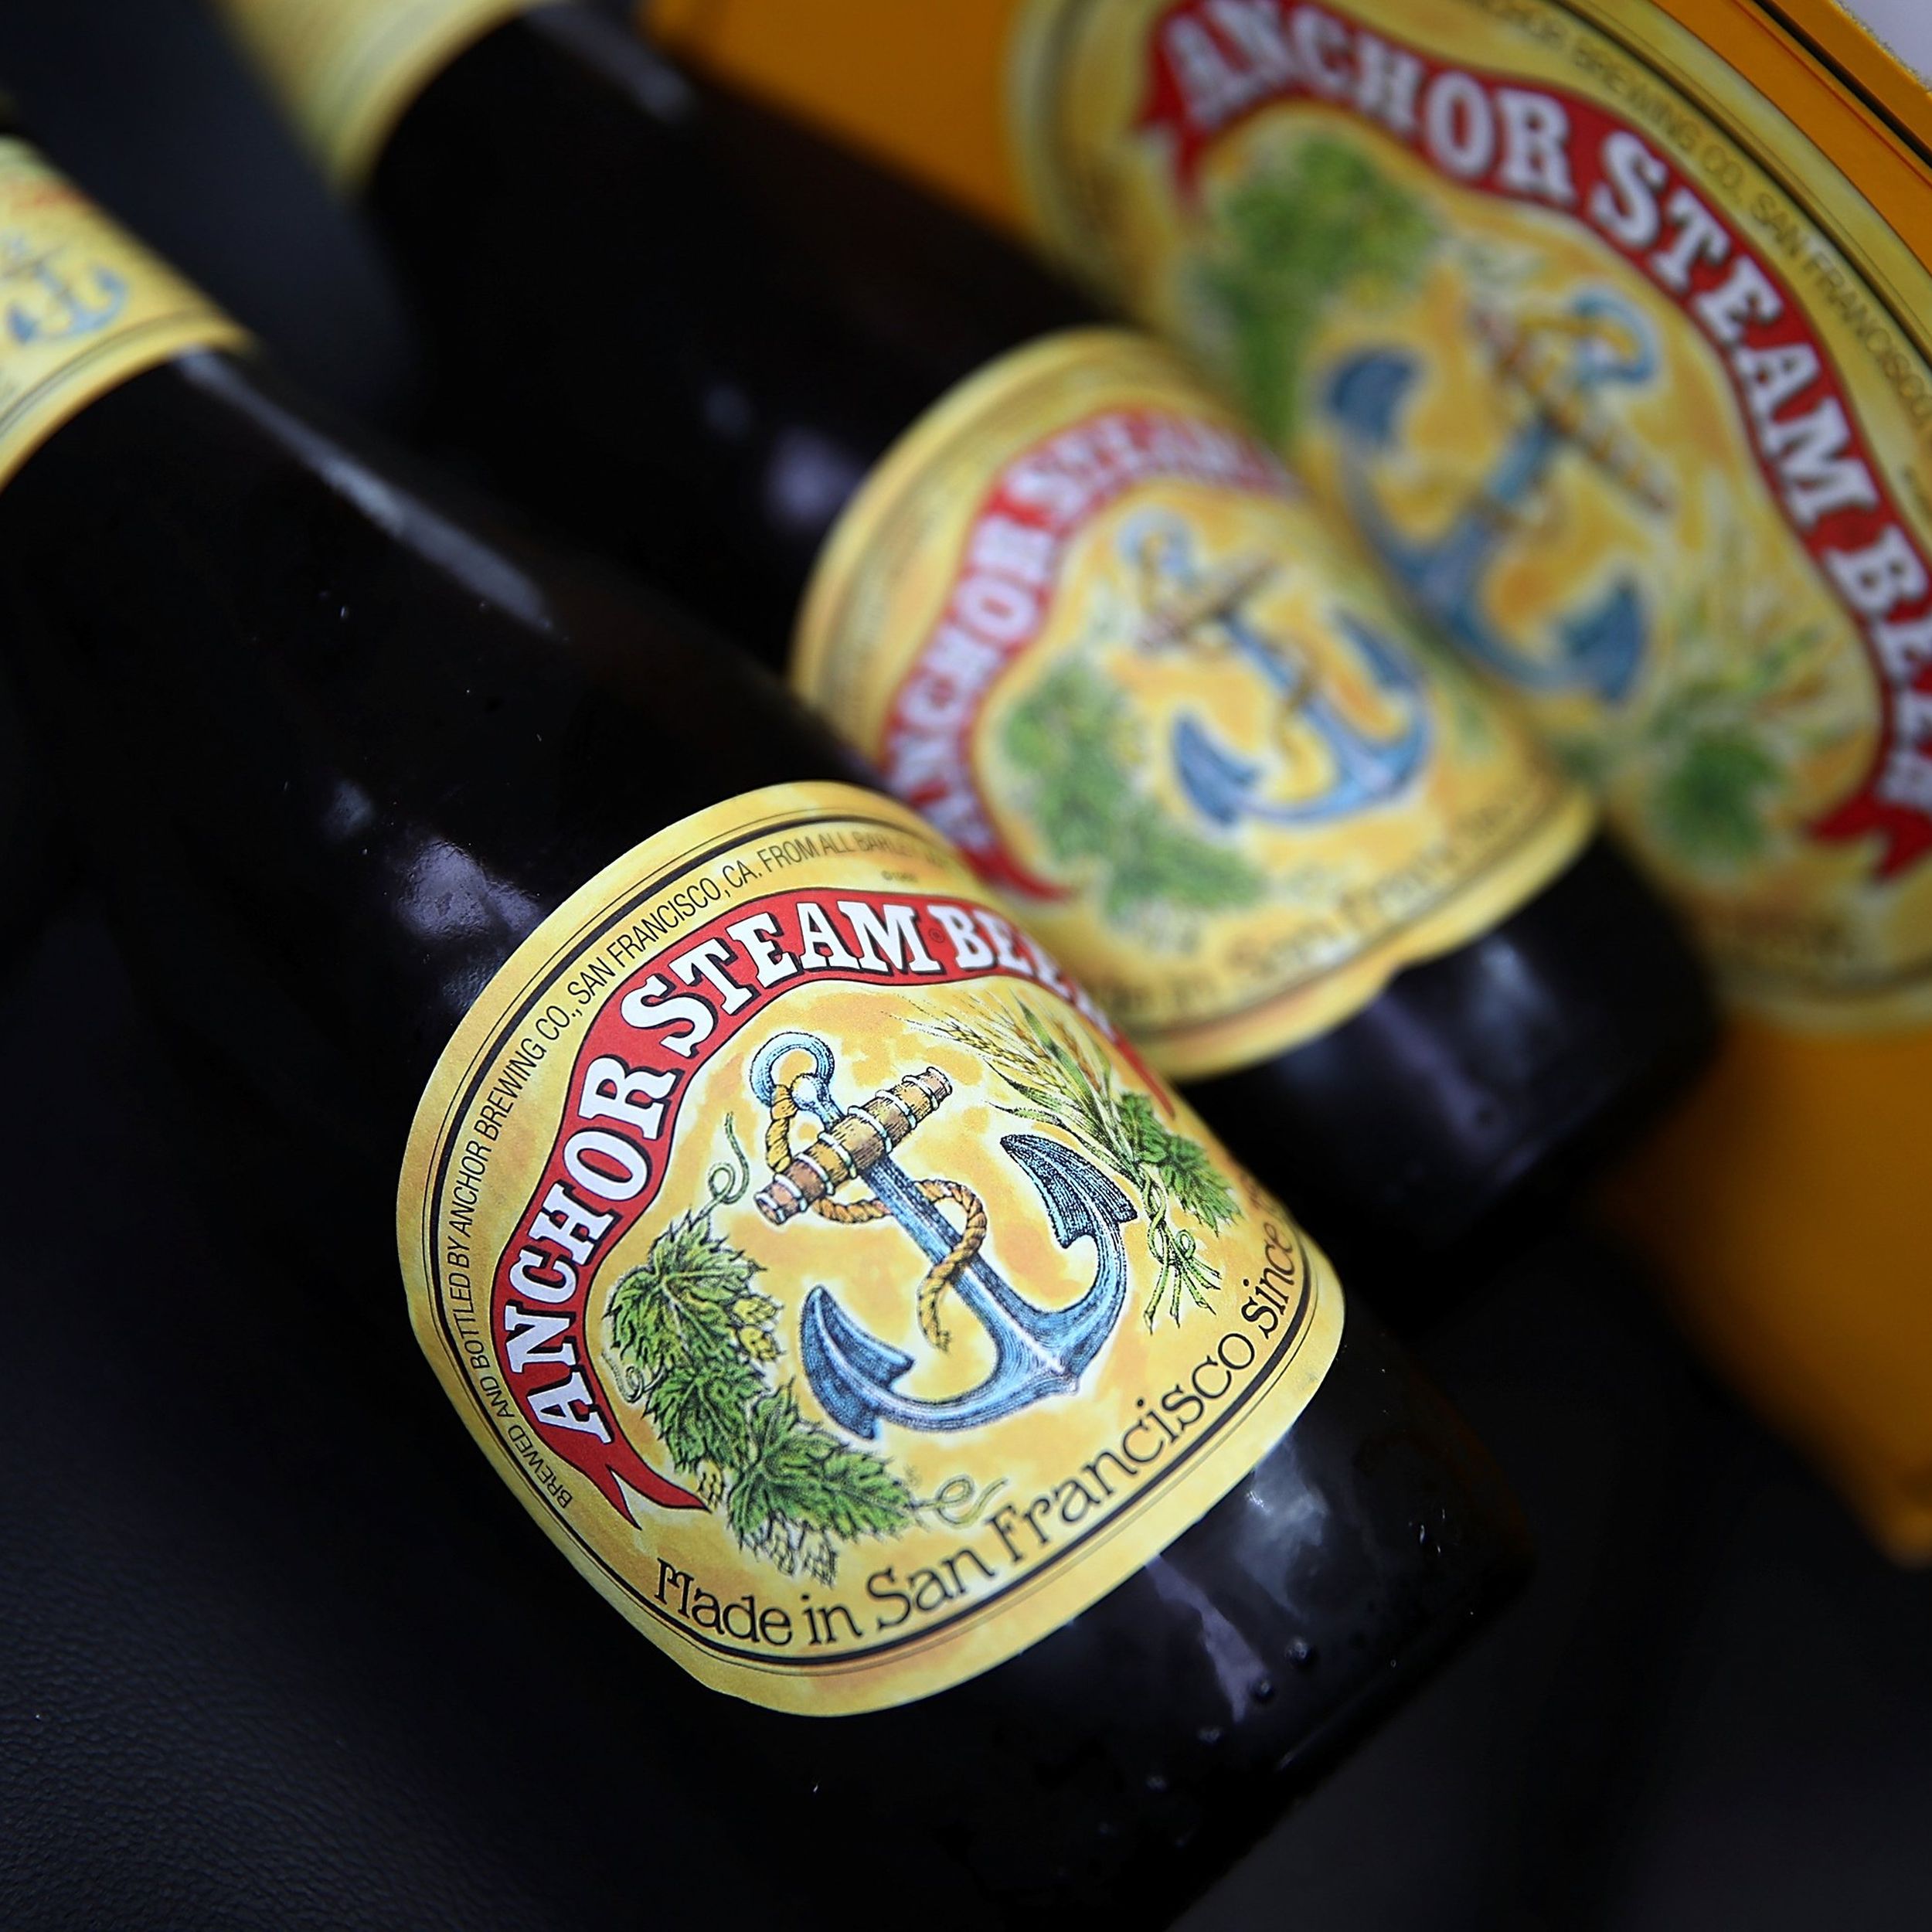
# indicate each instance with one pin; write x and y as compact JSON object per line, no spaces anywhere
{"x":72,"y":312}
{"x":1037,"y":1351}
{"x":1599,"y":649}
{"x":1221,"y":784}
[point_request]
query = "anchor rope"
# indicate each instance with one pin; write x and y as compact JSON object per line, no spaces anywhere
{"x":943,"y":1274}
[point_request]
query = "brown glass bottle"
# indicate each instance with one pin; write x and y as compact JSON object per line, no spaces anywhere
{"x":673,"y":322}
{"x":341,"y":751}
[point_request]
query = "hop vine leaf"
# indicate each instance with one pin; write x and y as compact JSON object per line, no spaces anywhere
{"x":1189,"y":1176}
{"x":694,"y":1357}
{"x":1709,"y":800}
{"x":1075,"y":741}
{"x":802,"y":1488}
{"x":1078,"y":741}
{"x":1060,"y":1080}
{"x":1324,"y":222}
{"x":698,"y":1408}
{"x":1747,"y":694}
{"x":697,"y":1339}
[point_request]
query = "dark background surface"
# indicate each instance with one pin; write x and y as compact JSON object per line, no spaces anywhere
{"x":258,"y":1669}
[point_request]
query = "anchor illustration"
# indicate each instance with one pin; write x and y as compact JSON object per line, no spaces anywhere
{"x":1037,"y":1351}
{"x":1365,"y":770}
{"x":66,"y":312}
{"x":1608,"y":342}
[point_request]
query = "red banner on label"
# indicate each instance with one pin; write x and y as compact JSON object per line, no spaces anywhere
{"x":651,"y":1033}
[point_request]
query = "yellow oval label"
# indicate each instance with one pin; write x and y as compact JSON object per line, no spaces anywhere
{"x":1098,"y":634}
{"x":844,"y":1297}
{"x":1622,"y":381}
{"x":347,"y":70}
{"x":83,"y":307}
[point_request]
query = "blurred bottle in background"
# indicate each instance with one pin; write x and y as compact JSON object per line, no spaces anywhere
{"x":1606,"y":325}
{"x":1050,"y":585}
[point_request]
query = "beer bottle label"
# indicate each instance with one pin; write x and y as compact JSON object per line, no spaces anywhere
{"x":1615,"y":373}
{"x":82,"y":306}
{"x":347,"y":70}
{"x":845,"y":1299}
{"x":1088,"y":625}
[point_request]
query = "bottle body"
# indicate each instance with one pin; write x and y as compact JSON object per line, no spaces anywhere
{"x":780,"y":316}
{"x":350,"y":753}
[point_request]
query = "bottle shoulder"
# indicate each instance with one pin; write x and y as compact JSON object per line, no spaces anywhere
{"x":359,"y":715}
{"x":706,"y":304}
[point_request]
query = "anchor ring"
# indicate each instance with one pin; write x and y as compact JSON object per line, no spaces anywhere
{"x":763,"y":1075}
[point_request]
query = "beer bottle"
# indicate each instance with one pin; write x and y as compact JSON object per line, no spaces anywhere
{"x":841,"y":1293}
{"x":1053,"y":589}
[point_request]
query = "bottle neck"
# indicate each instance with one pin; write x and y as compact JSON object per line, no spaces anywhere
{"x":686,"y":326}
{"x":88,"y":307}
{"x":345,"y":70}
